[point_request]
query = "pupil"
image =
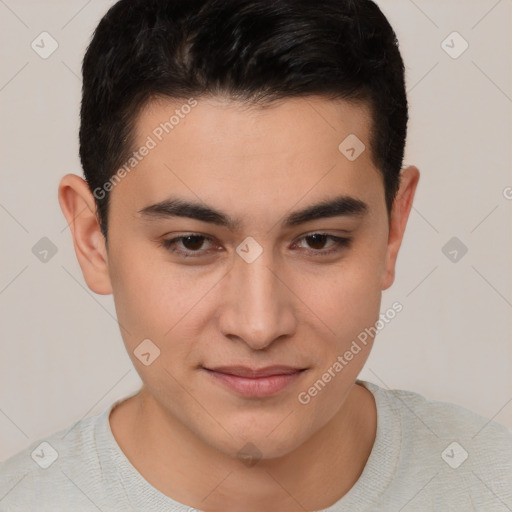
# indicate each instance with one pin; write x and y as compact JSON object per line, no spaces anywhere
{"x":322,"y":241}
{"x":194,"y":238}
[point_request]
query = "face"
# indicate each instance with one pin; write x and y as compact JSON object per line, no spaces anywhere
{"x":254,"y":283}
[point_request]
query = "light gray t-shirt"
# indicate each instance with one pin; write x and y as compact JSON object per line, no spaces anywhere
{"x":427,"y":456}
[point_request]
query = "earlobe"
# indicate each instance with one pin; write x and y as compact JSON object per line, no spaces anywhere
{"x":398,"y":221}
{"x":79,"y":208}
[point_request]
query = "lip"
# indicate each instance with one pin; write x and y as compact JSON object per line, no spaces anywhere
{"x":255,"y":383}
{"x":245,"y":371}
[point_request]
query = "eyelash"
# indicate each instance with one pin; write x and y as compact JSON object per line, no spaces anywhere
{"x":339,"y":243}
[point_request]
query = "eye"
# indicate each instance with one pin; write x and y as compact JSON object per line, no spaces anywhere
{"x":314,"y":240}
{"x":191,"y":245}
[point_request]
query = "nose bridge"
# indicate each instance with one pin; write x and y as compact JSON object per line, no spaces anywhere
{"x":258,"y":280}
{"x":256,"y":311}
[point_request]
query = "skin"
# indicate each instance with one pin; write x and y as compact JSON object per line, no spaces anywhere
{"x":183,"y":430}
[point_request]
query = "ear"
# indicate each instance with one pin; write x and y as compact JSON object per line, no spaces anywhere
{"x":79,"y":208}
{"x":398,"y":220}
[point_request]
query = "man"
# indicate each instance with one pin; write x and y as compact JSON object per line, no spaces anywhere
{"x":244,"y":201}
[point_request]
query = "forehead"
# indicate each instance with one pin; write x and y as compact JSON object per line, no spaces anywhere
{"x":280,"y":125}
{"x":227,"y":153}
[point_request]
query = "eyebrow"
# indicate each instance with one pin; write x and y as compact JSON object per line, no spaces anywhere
{"x":341,"y":206}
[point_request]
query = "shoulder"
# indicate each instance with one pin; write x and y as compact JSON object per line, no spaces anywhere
{"x":60,"y":470}
{"x":446,"y":419}
{"x":441,"y":418}
{"x":446,"y":447}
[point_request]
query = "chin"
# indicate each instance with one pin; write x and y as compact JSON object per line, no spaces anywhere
{"x":275,"y":440}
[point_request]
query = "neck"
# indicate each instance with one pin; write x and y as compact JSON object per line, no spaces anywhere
{"x":312,"y":477}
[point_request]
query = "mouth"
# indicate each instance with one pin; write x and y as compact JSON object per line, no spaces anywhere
{"x":255,"y":382}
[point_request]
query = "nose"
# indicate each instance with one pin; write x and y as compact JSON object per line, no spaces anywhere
{"x":258,"y":306}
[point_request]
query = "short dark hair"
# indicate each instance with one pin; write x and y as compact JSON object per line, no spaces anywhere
{"x":255,"y":51}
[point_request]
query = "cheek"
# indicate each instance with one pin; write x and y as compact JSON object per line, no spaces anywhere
{"x":143,"y":290}
{"x":354,"y":308}
{"x":157,"y":300}
{"x":347,"y":306}
{"x":350,"y":295}
{"x":152,"y":304}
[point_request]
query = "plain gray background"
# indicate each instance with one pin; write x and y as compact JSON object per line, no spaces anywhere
{"x":62,"y":356}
